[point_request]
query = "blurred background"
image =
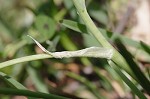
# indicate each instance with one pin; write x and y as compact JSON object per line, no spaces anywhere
{"x":42,"y":19}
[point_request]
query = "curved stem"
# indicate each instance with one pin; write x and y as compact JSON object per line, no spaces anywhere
{"x":24,"y":59}
{"x":117,"y":58}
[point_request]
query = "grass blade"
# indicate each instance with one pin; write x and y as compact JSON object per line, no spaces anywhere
{"x":10,"y":91}
{"x":127,"y":81}
{"x":10,"y":81}
{"x":144,"y":82}
{"x":37,"y":80}
{"x":145,"y":47}
{"x":87,"y":83}
{"x":81,"y":28}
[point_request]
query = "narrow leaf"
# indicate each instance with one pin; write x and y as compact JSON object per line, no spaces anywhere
{"x":81,"y":28}
{"x":141,"y":78}
{"x":10,"y":91}
{"x":10,"y":81}
{"x":127,"y":81}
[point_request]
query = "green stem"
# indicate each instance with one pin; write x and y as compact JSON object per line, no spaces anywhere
{"x":117,"y":58}
{"x":90,"y":24}
{"x":24,"y":59}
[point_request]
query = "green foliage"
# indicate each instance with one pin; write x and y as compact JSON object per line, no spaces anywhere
{"x":45,"y":26}
{"x":66,"y":25}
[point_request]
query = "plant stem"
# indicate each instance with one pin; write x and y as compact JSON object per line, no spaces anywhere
{"x":24,"y":59}
{"x":117,"y":58}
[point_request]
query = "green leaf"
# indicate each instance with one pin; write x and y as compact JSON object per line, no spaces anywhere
{"x":69,"y":5}
{"x":37,"y":80}
{"x":87,"y":83}
{"x":98,"y":12}
{"x":90,"y":41}
{"x":142,"y":80}
{"x":81,"y":28}
{"x":10,"y":91}
{"x":127,"y":81}
{"x":67,"y":43}
{"x":145,"y":47}
{"x":10,"y":81}
{"x":46,"y":27}
{"x":99,"y":15}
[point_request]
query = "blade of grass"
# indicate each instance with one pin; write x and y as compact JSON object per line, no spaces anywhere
{"x":81,"y":28}
{"x":37,"y":80}
{"x":87,"y":83}
{"x":144,"y":82}
{"x":67,"y":43}
{"x":10,"y":81}
{"x":127,"y":81}
{"x":10,"y":91}
{"x":145,"y":47}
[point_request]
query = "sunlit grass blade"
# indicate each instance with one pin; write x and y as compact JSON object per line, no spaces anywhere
{"x":11,"y":82}
{"x":145,"y":47}
{"x":143,"y":81}
{"x":10,"y":91}
{"x":127,"y":81}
